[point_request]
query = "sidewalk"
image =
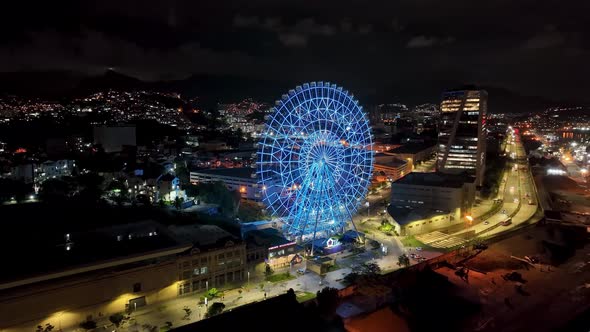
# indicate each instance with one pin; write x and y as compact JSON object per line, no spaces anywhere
{"x":157,"y":315}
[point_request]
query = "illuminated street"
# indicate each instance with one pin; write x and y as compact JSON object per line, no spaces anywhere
{"x":516,"y":190}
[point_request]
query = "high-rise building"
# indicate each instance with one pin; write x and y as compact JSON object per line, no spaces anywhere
{"x":461,"y":138}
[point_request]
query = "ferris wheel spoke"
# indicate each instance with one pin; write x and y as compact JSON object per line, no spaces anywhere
{"x":313,"y":160}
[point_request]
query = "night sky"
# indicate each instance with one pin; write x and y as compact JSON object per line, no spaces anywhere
{"x":532,"y":47}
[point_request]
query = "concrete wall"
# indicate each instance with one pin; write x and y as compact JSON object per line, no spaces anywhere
{"x":457,"y":200}
{"x":426,"y":196}
{"x":67,"y":303}
{"x":429,"y":225}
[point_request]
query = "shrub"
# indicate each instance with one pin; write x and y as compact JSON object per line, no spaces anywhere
{"x":88,"y":325}
{"x":116,"y":319}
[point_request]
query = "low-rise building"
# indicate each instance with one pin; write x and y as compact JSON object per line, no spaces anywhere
{"x":410,"y":221}
{"x":216,"y":259}
{"x":214,"y":145}
{"x":53,"y":169}
{"x":31,"y":172}
{"x":453,"y":193}
{"x":84,"y":275}
{"x":389,"y":168}
{"x":271,"y":247}
{"x":242,"y":179}
{"x":414,"y":153}
{"x":87,"y":275}
{"x":168,"y":188}
{"x":23,"y":172}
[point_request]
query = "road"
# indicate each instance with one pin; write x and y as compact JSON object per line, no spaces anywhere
{"x":516,"y":189}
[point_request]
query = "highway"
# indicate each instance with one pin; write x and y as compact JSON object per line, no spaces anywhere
{"x":516,"y":189}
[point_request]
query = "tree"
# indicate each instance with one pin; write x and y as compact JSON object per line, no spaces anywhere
{"x":53,"y":190}
{"x":213,"y":292}
{"x":88,"y":325}
{"x":47,"y":328}
{"x":118,"y":191}
{"x":351,"y":278}
{"x":403,"y":260}
{"x":371,"y":269}
{"x":268,"y":271}
{"x":215,"y":309}
{"x":182,"y":173}
{"x":12,"y":188}
{"x":116,"y":319}
{"x":366,"y":272}
{"x":251,"y":211}
{"x":178,"y":202}
{"x":217,"y":193}
{"x":91,"y":184}
{"x":328,"y":300}
{"x":187,"y":313}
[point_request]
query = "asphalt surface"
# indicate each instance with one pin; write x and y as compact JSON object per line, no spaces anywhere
{"x":516,"y":189}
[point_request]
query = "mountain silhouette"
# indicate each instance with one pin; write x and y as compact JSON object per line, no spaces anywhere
{"x":212,"y":89}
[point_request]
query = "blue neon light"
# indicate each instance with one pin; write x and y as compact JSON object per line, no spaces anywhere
{"x":315,"y":160}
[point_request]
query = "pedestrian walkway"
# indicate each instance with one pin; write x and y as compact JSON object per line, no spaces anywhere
{"x":153,"y":317}
{"x":431,"y":237}
{"x":439,"y":239}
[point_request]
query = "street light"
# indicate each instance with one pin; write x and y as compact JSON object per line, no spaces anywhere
{"x":248,"y":277}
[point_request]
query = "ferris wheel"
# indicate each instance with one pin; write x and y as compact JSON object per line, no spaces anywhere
{"x":315,"y":160}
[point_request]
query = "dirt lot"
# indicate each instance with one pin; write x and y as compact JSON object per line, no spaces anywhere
{"x":550,"y":294}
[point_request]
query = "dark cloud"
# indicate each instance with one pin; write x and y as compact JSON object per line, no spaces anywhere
{"x":94,"y":51}
{"x":241,"y":21}
{"x":533,"y":47}
{"x":545,"y":39}
{"x":423,"y":41}
{"x":292,"y":39}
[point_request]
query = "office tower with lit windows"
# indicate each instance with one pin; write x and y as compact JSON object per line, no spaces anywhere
{"x":461,"y":137}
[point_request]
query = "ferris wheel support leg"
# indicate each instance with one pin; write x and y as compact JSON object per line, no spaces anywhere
{"x":323,"y":176}
{"x":354,"y":226}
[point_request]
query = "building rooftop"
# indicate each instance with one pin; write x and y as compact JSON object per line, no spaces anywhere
{"x":238,"y":172}
{"x":167,"y":177}
{"x":403,"y":215}
{"x":202,"y":236}
{"x":412,"y":148}
{"x":51,"y":255}
{"x":268,"y":237}
{"x":388,"y":160}
{"x":436,"y":179}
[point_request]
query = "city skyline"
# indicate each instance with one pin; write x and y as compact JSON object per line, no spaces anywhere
{"x":345,"y":166}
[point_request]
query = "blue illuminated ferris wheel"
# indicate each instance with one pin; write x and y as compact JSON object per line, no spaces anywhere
{"x":315,"y":160}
